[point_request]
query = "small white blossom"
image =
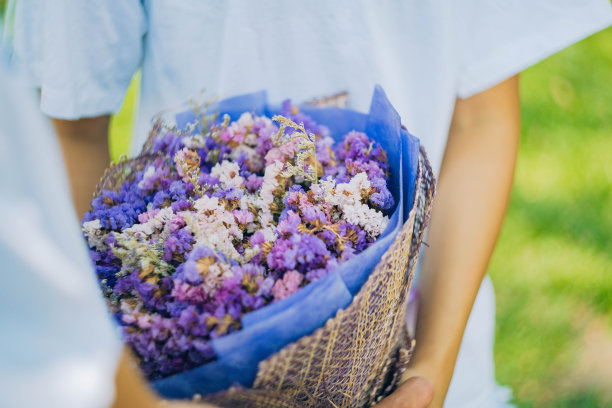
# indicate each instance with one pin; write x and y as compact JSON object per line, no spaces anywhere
{"x":95,"y":236}
{"x":246,"y":120}
{"x":194,"y":142}
{"x":148,"y":174}
{"x":154,"y":225}
{"x":216,"y":227}
{"x":372,"y":221}
{"x":228,"y":174}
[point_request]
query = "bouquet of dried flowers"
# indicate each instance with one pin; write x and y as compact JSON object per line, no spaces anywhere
{"x":227,"y":217}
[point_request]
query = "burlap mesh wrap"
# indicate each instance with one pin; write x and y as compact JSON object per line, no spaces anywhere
{"x":358,"y":356}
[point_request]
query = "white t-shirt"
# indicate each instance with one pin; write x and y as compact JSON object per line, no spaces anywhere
{"x":425,"y":54}
{"x":58,"y":346}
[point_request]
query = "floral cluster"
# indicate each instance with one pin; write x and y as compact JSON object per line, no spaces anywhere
{"x":228,"y":218}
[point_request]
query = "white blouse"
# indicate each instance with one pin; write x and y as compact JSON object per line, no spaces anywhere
{"x":58,"y":345}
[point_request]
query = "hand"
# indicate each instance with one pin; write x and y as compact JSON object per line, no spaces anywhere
{"x":415,"y":392}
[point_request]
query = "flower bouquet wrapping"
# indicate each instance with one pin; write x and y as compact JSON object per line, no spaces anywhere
{"x":267,"y":247}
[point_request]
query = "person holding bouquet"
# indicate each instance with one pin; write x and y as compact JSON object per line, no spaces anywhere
{"x":450,"y":69}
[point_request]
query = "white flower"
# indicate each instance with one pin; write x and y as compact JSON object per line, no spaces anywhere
{"x":246,"y":120}
{"x":206,"y":203}
{"x":360,"y":182}
{"x":350,"y":193}
{"x":249,"y":253}
{"x":269,"y":234}
{"x":193,"y":142}
{"x":372,"y":221}
{"x":148,"y":174}
{"x":95,"y":236}
{"x":248,"y":199}
{"x":265,"y":217}
{"x":328,"y":186}
{"x":251,"y":139}
{"x":216,"y":227}
{"x":270,"y":181}
{"x":213,"y":278}
{"x":228,"y":174}
{"x":152,"y":226}
{"x":251,"y":154}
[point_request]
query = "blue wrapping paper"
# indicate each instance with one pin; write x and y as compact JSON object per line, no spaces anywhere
{"x":267,"y":330}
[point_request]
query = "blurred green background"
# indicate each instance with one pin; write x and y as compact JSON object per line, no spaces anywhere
{"x":552,"y":265}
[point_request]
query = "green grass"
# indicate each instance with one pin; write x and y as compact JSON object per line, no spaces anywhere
{"x":553,"y":263}
{"x":122,"y":123}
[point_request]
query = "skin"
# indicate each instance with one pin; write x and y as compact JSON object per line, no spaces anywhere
{"x":472,"y":196}
{"x":84,"y":145}
{"x":131,"y":390}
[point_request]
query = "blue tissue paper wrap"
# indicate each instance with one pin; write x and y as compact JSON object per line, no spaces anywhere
{"x":268,"y":330}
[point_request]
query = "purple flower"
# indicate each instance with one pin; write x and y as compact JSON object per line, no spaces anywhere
{"x":382,"y":197}
{"x":253,"y":183}
{"x":178,"y":243}
{"x":313,"y":214}
{"x":183,"y":294}
{"x":289,"y":225}
{"x":282,"y":256}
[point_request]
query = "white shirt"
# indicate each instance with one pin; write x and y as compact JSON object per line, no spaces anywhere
{"x":58,"y":347}
{"x":425,"y":54}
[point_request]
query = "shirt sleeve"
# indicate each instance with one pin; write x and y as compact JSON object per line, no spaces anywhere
{"x":58,"y":344}
{"x":506,"y":37}
{"x":82,"y":54}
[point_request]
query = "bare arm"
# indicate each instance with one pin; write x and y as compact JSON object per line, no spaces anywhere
{"x":472,"y":195}
{"x":131,"y":390}
{"x":84,"y":144}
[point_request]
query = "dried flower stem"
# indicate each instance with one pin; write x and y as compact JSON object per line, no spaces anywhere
{"x":306,"y":159}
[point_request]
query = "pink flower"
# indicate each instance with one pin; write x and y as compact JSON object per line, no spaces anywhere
{"x":274,"y":155}
{"x":289,"y":284}
{"x":234,"y":134}
{"x":144,"y":321}
{"x":283,"y":152}
{"x":180,"y":157}
{"x":243,"y":216}
{"x":288,"y":149}
{"x":176,"y":223}
{"x":146,"y":216}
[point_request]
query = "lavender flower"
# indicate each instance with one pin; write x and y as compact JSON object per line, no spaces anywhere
{"x":225,"y":222}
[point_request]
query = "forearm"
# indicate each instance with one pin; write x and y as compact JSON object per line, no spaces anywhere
{"x":472,"y":195}
{"x":84,"y":144}
{"x":132,"y":391}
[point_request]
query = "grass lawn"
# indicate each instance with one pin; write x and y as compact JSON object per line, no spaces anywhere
{"x":552,"y":268}
{"x":553,"y":263}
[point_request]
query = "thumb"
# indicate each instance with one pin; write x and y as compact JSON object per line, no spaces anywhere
{"x":416,"y":392}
